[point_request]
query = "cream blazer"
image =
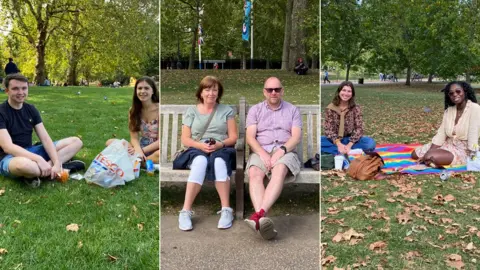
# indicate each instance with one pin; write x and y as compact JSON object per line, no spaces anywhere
{"x":467,"y":128}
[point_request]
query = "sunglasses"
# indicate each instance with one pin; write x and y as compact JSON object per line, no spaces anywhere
{"x":458,"y":92}
{"x":270,"y":90}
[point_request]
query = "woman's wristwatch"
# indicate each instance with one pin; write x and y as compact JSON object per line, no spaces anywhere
{"x":284,"y":149}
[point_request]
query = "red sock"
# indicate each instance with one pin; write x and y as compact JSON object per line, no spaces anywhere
{"x":255,"y":217}
{"x":261,"y":213}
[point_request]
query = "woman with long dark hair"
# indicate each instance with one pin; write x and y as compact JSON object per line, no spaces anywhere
{"x":343,"y":124}
{"x":143,"y":120}
{"x":458,"y":134}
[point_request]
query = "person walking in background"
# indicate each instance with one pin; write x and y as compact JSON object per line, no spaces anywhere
{"x":11,"y":67}
{"x":325,"y":79}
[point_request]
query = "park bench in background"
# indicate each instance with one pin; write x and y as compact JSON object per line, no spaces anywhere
{"x":170,"y":142}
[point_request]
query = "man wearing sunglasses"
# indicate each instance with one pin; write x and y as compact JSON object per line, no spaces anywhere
{"x":274,"y":129}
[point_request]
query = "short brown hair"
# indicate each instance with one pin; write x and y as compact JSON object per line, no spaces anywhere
{"x":207,"y":82}
{"x":14,"y":76}
{"x":336,"y":98}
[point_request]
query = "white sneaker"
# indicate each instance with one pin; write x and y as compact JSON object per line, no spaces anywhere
{"x":185,"y":220}
{"x":267,"y":229}
{"x":226,"y":218}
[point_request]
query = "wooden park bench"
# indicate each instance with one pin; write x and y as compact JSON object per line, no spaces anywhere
{"x":170,"y":142}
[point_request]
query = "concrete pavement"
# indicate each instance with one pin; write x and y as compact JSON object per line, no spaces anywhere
{"x":206,"y":247}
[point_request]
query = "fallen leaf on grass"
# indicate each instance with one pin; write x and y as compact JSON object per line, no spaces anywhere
{"x":333,"y":210}
{"x":449,"y":198}
{"x":111,"y":258}
{"x":451,"y":230}
{"x":378,"y":246}
{"x":391,"y":200}
{"x":446,"y":220}
{"x":80,"y":244}
{"x":140,"y":226}
{"x":460,"y":210}
{"x":348,"y":236}
{"x":412,"y":254}
{"x":409,"y":239}
{"x":403,"y":218}
{"x":2,"y":191}
{"x":470,"y":247}
{"x":72,"y":227}
{"x":336,"y":268}
{"x":455,"y":261}
{"x":337,"y":238}
{"x":3,"y":251}
{"x":472,"y":229}
{"x":328,"y":259}
{"x":350,"y":208}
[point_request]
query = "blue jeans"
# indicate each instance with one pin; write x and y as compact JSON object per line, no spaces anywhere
{"x":36,"y":149}
{"x":365,"y":143}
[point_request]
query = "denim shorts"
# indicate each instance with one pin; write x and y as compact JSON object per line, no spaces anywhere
{"x":36,"y":149}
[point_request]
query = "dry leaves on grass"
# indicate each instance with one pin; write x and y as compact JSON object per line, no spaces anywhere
{"x":111,"y":258}
{"x":447,"y":198}
{"x":140,"y":226}
{"x":72,"y":227}
{"x":378,"y":246}
{"x":340,"y":174}
{"x":329,"y":259}
{"x":2,"y":191}
{"x":411,"y":255}
{"x":3,"y":251}
{"x":455,"y":261}
{"x":404,"y":218}
{"x":350,"y":235}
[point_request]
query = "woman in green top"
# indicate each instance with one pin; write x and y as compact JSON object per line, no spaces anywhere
{"x":210,"y":155}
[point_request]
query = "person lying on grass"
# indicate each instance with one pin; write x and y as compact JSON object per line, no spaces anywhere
{"x":344,"y":124}
{"x":459,"y":130}
{"x":143,"y":121}
{"x":18,"y":158}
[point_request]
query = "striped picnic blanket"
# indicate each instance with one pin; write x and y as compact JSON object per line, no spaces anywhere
{"x":397,"y":159}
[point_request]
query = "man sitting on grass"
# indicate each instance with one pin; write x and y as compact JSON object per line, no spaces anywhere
{"x":18,"y":158}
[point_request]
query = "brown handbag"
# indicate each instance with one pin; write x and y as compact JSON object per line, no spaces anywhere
{"x":366,"y":167}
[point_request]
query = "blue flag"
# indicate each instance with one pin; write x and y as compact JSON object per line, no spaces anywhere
{"x":246,"y":21}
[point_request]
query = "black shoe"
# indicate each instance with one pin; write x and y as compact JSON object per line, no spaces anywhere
{"x":74,"y":165}
{"x":32,"y":182}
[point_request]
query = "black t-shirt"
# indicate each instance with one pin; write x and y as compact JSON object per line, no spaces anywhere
{"x":19,"y":123}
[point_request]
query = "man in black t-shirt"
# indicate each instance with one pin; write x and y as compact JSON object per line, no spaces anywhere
{"x":11,"y":67}
{"x":18,"y":120}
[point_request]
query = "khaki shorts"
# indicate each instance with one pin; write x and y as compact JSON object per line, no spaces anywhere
{"x":289,"y":159}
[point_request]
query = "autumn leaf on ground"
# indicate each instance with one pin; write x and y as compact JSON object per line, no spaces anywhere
{"x":140,"y":226}
{"x":72,"y":227}
{"x":412,"y":254}
{"x":403,"y":218}
{"x":470,"y":247}
{"x":328,"y":259}
{"x":446,"y":220}
{"x":449,"y":198}
{"x":2,"y":191}
{"x":3,"y":251}
{"x":111,"y":258}
{"x":378,"y":246}
{"x":80,"y":244}
{"x":347,"y":236}
{"x":455,"y":260}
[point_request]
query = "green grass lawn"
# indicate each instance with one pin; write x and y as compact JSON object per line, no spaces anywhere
{"x":179,"y":87}
{"x":434,"y":228}
{"x":118,"y":227}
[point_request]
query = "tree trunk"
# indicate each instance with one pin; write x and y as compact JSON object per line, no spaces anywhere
{"x":192,"y":52}
{"x":348,"y":72}
{"x":430,"y":78}
{"x":244,"y":61}
{"x":314,"y":62}
{"x":409,"y":74}
{"x":468,"y":79}
{"x":297,"y":46}
{"x":268,"y":63}
{"x":40,"y":64}
{"x":73,"y":54}
{"x":287,"y":34}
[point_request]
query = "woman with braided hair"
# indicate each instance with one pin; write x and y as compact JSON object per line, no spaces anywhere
{"x":459,"y":131}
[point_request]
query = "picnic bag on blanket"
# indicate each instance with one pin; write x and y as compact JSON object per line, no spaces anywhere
{"x":327,"y":161}
{"x":112,"y":167}
{"x":365,"y":167}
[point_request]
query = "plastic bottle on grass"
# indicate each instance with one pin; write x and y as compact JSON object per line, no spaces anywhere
{"x":150,"y":168}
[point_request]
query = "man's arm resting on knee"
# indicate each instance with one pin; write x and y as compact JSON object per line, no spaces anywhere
{"x":10,"y":148}
{"x":47,"y":143}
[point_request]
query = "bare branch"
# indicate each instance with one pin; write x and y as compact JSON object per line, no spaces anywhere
{"x":190,"y":5}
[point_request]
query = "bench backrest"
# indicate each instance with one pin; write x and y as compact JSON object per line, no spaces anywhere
{"x":170,"y":129}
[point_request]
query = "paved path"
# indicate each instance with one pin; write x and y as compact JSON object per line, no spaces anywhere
{"x":205,"y":247}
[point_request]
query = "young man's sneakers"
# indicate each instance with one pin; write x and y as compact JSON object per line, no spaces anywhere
{"x":74,"y":165}
{"x":226,"y":218}
{"x":32,"y":182}
{"x":185,"y":220}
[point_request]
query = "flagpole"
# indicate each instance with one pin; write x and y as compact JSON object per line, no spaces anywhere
{"x":251,"y":41}
{"x":199,"y":55}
